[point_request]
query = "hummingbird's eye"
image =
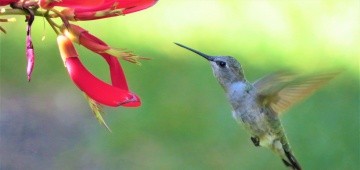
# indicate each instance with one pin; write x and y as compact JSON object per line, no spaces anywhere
{"x":221,"y":63}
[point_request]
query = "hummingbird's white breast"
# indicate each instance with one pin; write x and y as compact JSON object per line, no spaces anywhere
{"x":242,"y":96}
{"x":239,"y":94}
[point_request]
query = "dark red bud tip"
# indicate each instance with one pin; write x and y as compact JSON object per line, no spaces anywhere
{"x":7,"y":2}
{"x":133,"y":102}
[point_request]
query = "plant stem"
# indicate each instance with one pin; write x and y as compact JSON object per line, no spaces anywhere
{"x":22,"y":12}
{"x":53,"y":25}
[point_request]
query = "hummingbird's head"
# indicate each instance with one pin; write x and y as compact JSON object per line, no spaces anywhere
{"x":226,"y":69}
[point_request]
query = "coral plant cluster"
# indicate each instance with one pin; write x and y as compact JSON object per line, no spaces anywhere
{"x":97,"y":92}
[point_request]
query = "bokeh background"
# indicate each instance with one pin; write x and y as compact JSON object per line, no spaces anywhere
{"x":185,"y":121}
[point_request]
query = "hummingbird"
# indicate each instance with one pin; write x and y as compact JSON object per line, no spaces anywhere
{"x":257,"y":106}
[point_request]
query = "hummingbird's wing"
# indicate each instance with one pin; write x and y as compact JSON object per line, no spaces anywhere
{"x":281,"y":90}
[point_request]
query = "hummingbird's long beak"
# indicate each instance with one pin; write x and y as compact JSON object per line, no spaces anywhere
{"x":209,"y":58}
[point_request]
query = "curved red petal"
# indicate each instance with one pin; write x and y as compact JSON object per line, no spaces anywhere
{"x":128,"y":6}
{"x":97,"y":89}
{"x":92,"y":86}
{"x":134,"y":6}
{"x":90,"y":42}
{"x":84,"y":38}
{"x":133,"y":3}
{"x":70,"y":3}
{"x":106,"y":5}
{"x":118,"y":4}
{"x":118,"y":78}
{"x":96,"y":45}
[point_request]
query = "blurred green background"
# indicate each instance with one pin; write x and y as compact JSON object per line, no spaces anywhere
{"x":185,"y":120}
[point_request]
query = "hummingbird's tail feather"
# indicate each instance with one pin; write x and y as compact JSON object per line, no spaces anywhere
{"x":282,"y":148}
{"x":291,"y":161}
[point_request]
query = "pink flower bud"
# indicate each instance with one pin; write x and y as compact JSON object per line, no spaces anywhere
{"x":30,"y":57}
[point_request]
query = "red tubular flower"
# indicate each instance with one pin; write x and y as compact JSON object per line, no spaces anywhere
{"x":7,"y":2}
{"x":69,"y":3}
{"x":92,"y":86}
{"x":109,"y":8}
{"x":84,"y":38}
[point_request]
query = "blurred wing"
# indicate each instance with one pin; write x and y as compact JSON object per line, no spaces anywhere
{"x":274,"y":81}
{"x":281,"y":90}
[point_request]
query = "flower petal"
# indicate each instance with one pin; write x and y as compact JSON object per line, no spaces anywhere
{"x":116,"y":72}
{"x":95,"y":88}
{"x":118,"y":78}
{"x":96,"y":45}
{"x":135,"y":5}
{"x":92,"y":86}
{"x":93,"y":14}
{"x":83,"y":37}
{"x":109,"y":8}
{"x":69,"y":3}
